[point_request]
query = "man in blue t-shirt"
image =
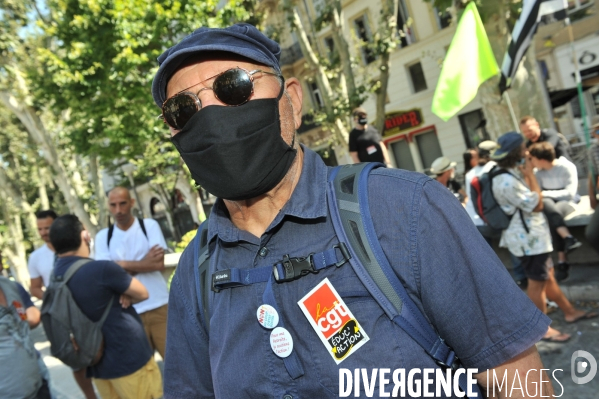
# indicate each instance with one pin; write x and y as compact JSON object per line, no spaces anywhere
{"x":127,"y":368}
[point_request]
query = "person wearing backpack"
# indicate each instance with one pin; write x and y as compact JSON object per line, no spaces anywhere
{"x":23,"y":374}
{"x":123,"y":364}
{"x":528,"y":236}
{"x":138,"y":245}
{"x":272,"y":273}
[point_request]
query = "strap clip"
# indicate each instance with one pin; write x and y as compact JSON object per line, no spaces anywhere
{"x":294,"y":268}
{"x":452,"y":362}
{"x":345,"y":252}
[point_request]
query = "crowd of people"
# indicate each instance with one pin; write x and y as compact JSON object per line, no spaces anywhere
{"x":216,"y":88}
{"x":124,"y":275}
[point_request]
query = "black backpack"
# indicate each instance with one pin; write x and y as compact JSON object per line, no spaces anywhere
{"x":485,"y":204}
{"x":74,"y":338}
{"x":111,"y":231}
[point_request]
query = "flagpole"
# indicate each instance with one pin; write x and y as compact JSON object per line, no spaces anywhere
{"x":583,"y":111}
{"x":512,"y":114}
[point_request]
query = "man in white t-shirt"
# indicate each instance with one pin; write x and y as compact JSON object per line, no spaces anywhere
{"x":41,"y":261}
{"x":139,"y":249}
{"x":41,"y":264}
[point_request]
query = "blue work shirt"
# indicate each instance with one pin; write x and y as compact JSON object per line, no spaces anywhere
{"x":448,"y":269}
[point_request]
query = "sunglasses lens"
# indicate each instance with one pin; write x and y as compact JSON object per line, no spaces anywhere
{"x":179,"y":109}
{"x":233,"y":87}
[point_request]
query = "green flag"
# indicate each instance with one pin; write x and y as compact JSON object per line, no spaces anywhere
{"x":469,"y":62}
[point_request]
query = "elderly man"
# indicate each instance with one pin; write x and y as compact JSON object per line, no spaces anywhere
{"x":532,"y":131}
{"x":233,"y":119}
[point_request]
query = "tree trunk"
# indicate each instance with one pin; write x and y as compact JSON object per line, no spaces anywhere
{"x":344,"y":55}
{"x":13,"y":246}
{"x":99,"y":191}
{"x":165,"y":199}
{"x":14,"y":193}
{"x":42,"y":190}
{"x":38,"y":133}
{"x":387,"y":31}
{"x":497,"y":113}
{"x":341,"y":133}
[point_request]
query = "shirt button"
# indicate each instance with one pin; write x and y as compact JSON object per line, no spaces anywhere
{"x":287,"y":396}
{"x":263,"y":252}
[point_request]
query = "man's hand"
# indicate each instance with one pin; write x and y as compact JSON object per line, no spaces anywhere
{"x":125,"y":301}
{"x":153,"y":261}
{"x":155,"y":255}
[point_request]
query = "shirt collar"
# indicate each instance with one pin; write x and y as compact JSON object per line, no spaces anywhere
{"x":308,"y":201}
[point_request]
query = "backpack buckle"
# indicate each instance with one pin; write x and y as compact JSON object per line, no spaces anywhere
{"x":345,"y":252}
{"x":293,"y":268}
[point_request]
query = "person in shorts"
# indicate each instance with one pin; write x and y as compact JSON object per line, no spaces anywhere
{"x":527,"y":236}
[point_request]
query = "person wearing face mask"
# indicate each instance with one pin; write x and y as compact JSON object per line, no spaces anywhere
{"x":518,"y":191}
{"x":444,"y":171}
{"x":235,"y":327}
{"x":365,"y":141}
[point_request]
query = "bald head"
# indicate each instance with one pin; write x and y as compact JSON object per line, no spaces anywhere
{"x":120,"y":204}
{"x":119,"y":191}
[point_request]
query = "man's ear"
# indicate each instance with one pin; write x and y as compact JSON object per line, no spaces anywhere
{"x":85,"y":236}
{"x":132,"y":202}
{"x":293,"y":88}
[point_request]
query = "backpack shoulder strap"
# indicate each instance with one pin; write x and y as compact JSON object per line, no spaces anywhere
{"x":73,"y":269}
{"x":496,"y":171}
{"x":109,"y":235}
{"x":143,"y":226}
{"x":350,"y":213}
{"x":201,"y":273}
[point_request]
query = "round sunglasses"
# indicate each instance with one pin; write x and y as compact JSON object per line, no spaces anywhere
{"x":233,"y":87}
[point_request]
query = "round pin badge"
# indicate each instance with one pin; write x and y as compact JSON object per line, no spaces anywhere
{"x":281,"y":342}
{"x":268,"y":317}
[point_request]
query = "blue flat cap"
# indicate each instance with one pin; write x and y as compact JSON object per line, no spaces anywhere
{"x":506,"y":143}
{"x":241,"y":39}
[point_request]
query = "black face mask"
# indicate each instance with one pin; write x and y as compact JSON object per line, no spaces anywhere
{"x":362,"y":121}
{"x":236,"y":153}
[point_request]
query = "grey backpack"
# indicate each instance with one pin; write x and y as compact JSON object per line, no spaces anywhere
{"x":74,"y":338}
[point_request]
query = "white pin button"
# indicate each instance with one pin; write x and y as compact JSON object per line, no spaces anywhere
{"x":281,"y":342}
{"x":267,"y":316}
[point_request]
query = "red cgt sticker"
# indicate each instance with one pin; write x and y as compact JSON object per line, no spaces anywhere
{"x":332,"y":320}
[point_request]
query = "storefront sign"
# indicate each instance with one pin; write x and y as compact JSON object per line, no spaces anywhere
{"x":397,"y":122}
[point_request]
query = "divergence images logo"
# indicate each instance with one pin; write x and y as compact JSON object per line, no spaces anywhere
{"x":581,"y":366}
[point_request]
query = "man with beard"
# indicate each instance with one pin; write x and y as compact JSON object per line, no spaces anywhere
{"x":233,"y":118}
{"x":137,"y":245}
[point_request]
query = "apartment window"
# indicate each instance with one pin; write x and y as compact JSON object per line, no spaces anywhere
{"x":473,"y":128}
{"x":443,"y":18}
{"x":404,"y":30}
{"x":403,"y":157}
{"x":316,"y":95}
{"x":417,"y":77}
{"x":329,"y":44}
{"x":364,"y":34}
{"x":428,"y":147}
